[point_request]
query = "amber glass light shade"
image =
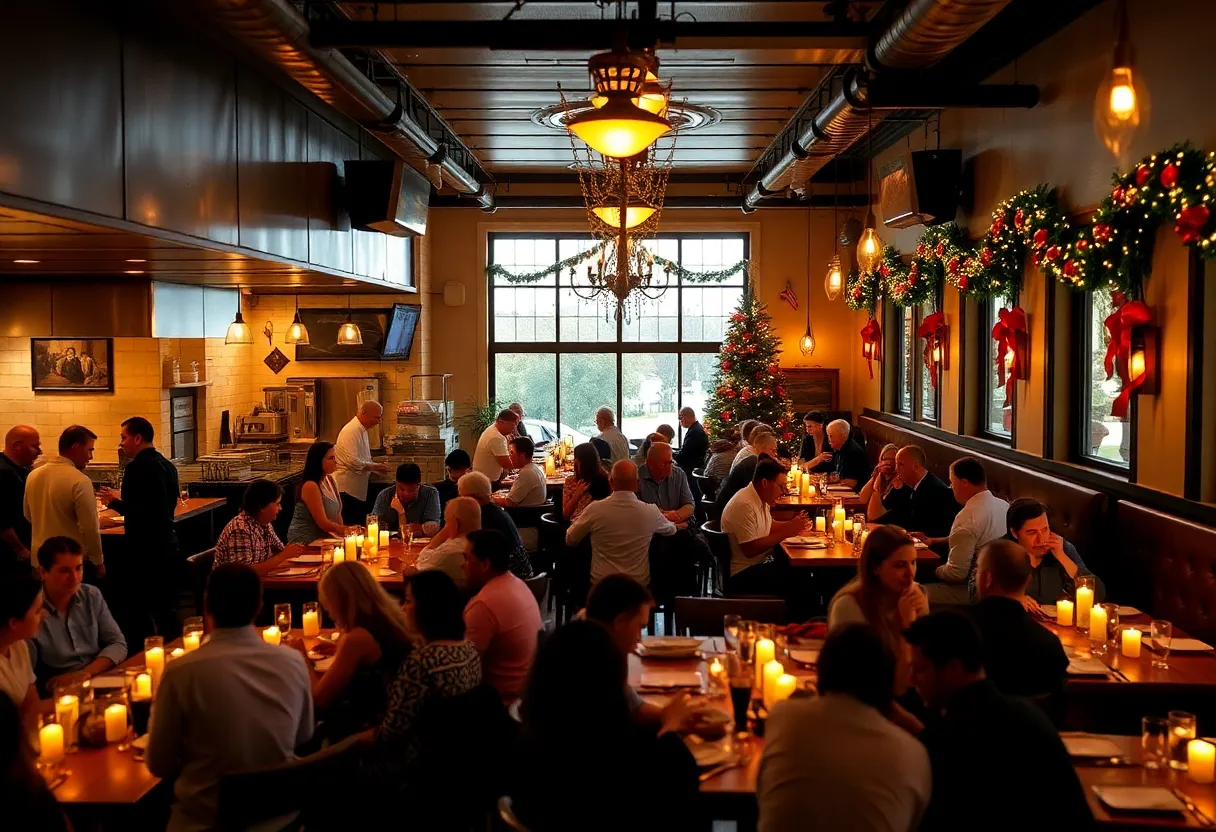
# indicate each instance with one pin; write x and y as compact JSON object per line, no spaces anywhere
{"x":869,"y":247}
{"x":238,"y":331}
{"x":1120,"y":108}
{"x":635,"y":215}
{"x":833,"y":284}
{"x":297,"y":333}
{"x":807,"y":342}
{"x":619,"y":129}
{"x":349,"y":333}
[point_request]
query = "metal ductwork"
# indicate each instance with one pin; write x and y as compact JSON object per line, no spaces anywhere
{"x":922,"y":35}
{"x":277,"y":33}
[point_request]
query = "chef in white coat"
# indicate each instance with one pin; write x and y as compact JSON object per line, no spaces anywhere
{"x":355,"y":463}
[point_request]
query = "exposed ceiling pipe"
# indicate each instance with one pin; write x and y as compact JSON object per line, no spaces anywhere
{"x":277,"y":33}
{"x":922,"y":35}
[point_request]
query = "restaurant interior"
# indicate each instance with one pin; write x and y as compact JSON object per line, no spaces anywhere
{"x":601,"y":414}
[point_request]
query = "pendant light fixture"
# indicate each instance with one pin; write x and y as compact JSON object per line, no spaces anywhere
{"x":834,"y":282}
{"x":620,"y":128}
{"x":238,"y":331}
{"x":297,"y":333}
{"x":635,"y":215}
{"x":807,"y":342}
{"x":869,"y":246}
{"x":349,"y":334}
{"x":1121,"y":103}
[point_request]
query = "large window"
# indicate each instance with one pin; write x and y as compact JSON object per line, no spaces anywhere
{"x":907,"y":344}
{"x":998,"y":414}
{"x":564,"y":357}
{"x":928,"y":393}
{"x":1103,"y":438}
{"x":910,"y":381}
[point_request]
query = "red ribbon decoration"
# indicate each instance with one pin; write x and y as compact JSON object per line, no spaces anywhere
{"x":1010,"y":322}
{"x":932,"y":329}
{"x":871,"y":337}
{"x":1119,"y":324}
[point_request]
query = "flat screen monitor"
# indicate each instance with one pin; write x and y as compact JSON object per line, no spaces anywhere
{"x":402,"y":324}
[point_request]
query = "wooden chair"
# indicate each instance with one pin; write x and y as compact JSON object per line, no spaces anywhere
{"x":199,"y":567}
{"x":703,"y":616}
{"x":571,"y":567}
{"x":506,"y":814}
{"x":719,"y":547}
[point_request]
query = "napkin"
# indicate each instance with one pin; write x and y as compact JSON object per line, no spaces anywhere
{"x":307,"y":559}
{"x":294,"y":572}
{"x":1087,"y":667}
{"x":1139,"y":798}
{"x":1088,"y":746}
{"x":670,"y":679}
{"x":806,"y":542}
{"x":805,"y":656}
{"x":1188,"y":645}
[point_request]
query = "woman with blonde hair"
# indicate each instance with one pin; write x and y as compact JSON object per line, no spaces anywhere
{"x":884,"y":491}
{"x":375,"y":640}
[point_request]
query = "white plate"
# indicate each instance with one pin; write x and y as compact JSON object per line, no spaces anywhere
{"x":656,"y":644}
{"x":920,"y":544}
{"x":293,"y":572}
{"x":324,"y":664}
{"x":385,"y":572}
{"x":1188,"y":645}
{"x":308,"y":559}
{"x":670,"y":679}
{"x":708,"y":754}
{"x":805,"y":656}
{"x":1087,"y":667}
{"x":1087,"y":746}
{"x":1139,"y":798}
{"x":806,"y":542}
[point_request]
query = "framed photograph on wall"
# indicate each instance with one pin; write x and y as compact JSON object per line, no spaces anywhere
{"x":72,"y":365}
{"x":812,"y":389}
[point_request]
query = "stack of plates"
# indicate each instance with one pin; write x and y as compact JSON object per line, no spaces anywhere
{"x":668,"y":647}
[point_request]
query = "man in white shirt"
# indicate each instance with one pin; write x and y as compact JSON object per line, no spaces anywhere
{"x":493,"y":456}
{"x":445,"y":552}
{"x":530,"y":487}
{"x":234,"y":704}
{"x":354,"y":453}
{"x":834,"y":762}
{"x":605,"y":421}
{"x":59,"y":498}
{"x":982,"y":519}
{"x":748,"y":523}
{"x":621,"y":527}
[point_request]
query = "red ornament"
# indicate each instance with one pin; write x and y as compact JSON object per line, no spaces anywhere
{"x":1142,"y":175}
{"x":940,"y":249}
{"x":726,"y":365}
{"x":760,"y":374}
{"x":963,"y":280}
{"x":1070,"y":268}
{"x":725,"y":415}
{"x":884,"y":270}
{"x":986,"y":256}
{"x":747,"y":336}
{"x":1019,"y":219}
{"x":730,"y":394}
{"x":922,"y":250}
{"x":857,"y":293}
{"x":1117,"y":194}
{"x":787,"y":436}
{"x":1169,"y":176}
{"x":745,"y":395}
{"x":998,"y":224}
{"x":737,"y":317}
{"x":1040,"y":238}
{"x":952,"y":266}
{"x":1101,"y":233}
{"x":1053,"y":253}
{"x":1191,"y":222}
{"x":1037,"y":258}
{"x":772,"y":368}
{"x":781,"y":393}
{"x":913,"y":274}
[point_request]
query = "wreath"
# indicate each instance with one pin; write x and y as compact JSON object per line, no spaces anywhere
{"x":861,"y":290}
{"x":906,"y":285}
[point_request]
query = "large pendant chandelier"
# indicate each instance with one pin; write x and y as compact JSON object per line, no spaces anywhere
{"x":620,"y":128}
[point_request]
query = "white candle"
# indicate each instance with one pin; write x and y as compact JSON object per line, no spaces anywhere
{"x":350,"y":549}
{"x":765,"y":651}
{"x":271,"y":635}
{"x":143,"y":687}
{"x":1085,"y":603}
{"x":1200,"y":760}
{"x":358,"y":544}
{"x":821,"y":524}
{"x":838,"y":529}
{"x":773,"y":671}
{"x":67,"y":712}
{"x":1064,"y":612}
{"x":176,"y":653}
{"x":373,"y":536}
{"x":116,"y":722}
{"x":838,"y":513}
{"x":1097,"y":624}
{"x":783,"y":688}
{"x":311,"y":625}
{"x":384,"y":538}
{"x":339,"y":555}
{"x":191,"y":641}
{"x":154,"y":659}
{"x":1131,"y":643}
{"x":848,"y":524}
{"x":812,"y":492}
{"x":50,"y":739}
{"x":806,"y":485}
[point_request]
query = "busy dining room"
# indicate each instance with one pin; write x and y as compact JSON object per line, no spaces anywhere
{"x":834,"y":368}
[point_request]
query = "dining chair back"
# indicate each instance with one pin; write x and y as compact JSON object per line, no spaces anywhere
{"x":719,"y":547}
{"x":571,"y":566}
{"x":199,"y":567}
{"x":703,"y":616}
{"x":539,"y":584}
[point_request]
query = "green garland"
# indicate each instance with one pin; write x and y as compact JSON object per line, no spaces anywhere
{"x":907,"y":285}
{"x":861,"y":290}
{"x":496,"y":271}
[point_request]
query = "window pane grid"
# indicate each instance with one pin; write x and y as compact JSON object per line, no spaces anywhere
{"x":998,"y":415}
{"x":1104,"y":438}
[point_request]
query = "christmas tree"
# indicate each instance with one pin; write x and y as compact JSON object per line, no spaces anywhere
{"x":749,"y":383}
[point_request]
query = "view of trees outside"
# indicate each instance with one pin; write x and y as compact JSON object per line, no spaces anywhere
{"x":908,"y":336}
{"x":999,"y":418}
{"x":549,"y":312}
{"x":1109,"y":438}
{"x":928,"y":393}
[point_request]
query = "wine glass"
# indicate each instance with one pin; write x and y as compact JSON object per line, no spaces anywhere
{"x":730,"y":629}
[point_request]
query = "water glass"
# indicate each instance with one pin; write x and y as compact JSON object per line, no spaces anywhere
{"x":282,"y":617}
{"x":1154,"y":742}
{"x":185,"y":494}
{"x":192,"y":633}
{"x":730,"y":629}
{"x":1181,"y":732}
{"x":1112,"y":620}
{"x":747,"y":640}
{"x":767,"y":631}
{"x":1161,"y":634}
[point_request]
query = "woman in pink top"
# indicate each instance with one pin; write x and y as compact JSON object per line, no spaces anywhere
{"x":502,"y":619}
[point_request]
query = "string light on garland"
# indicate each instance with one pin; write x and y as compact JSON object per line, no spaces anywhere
{"x":670,"y":268}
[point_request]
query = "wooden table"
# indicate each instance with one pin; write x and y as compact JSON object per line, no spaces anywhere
{"x":849,"y":499}
{"x":841,"y":554}
{"x":193,"y":507}
{"x":1204,"y":797}
{"x":401,"y":561}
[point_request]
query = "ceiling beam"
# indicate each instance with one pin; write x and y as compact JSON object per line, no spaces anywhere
{"x":583,"y":35}
{"x":671,"y":202}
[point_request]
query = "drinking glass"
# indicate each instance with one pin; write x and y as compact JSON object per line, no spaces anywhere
{"x":1112,"y":620}
{"x":1181,"y":731}
{"x":747,"y":640}
{"x":740,"y":689}
{"x":767,"y":631}
{"x":1161,"y":634}
{"x":730,"y":629}
{"x":859,"y":524}
{"x":282,"y":617}
{"x":68,"y":695}
{"x":1154,"y":742}
{"x":833,"y":477}
{"x":185,"y":494}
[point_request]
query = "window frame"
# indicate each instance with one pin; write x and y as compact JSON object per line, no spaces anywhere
{"x":916,"y":359}
{"x":619,"y":347}
{"x":987,"y":321}
{"x":1082,"y":419}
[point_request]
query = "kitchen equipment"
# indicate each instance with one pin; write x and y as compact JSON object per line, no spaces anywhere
{"x":298,"y":403}
{"x":337,"y":400}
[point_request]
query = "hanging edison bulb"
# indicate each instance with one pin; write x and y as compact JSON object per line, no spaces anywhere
{"x":834,"y":282}
{"x":349,"y":333}
{"x":807,"y":342}
{"x":869,"y":246}
{"x":1121,"y":104}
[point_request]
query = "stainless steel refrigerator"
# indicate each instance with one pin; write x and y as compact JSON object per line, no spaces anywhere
{"x":338,"y":400}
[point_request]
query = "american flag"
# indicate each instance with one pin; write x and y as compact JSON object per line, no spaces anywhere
{"x":789,"y":296}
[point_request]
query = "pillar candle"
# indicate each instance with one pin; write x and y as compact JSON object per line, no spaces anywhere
{"x":812,"y":492}
{"x":271,"y":635}
{"x":358,"y":546}
{"x":339,"y":555}
{"x":806,"y":485}
{"x":116,"y":722}
{"x":783,"y":688}
{"x":772,"y":672}
{"x":350,"y":548}
{"x":1131,"y":643}
{"x":765,"y":651}
{"x":373,"y":536}
{"x":550,"y":467}
{"x":838,"y":513}
{"x":821,"y":524}
{"x":1097,"y":624}
{"x":848,"y":524}
{"x":1200,"y":759}
{"x":384,"y":538}
{"x":838,"y":529}
{"x":50,"y":739}
{"x":67,"y":712}
{"x":154,"y":659}
{"x":176,"y":653}
{"x":191,"y":640}
{"x":311,"y":625}
{"x":1085,"y":603}
{"x":1064,"y":612}
{"x":143,"y":687}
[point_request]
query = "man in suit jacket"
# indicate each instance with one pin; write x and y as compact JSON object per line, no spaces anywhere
{"x":693,"y":450}
{"x":930,"y":506}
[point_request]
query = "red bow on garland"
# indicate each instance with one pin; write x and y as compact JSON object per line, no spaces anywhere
{"x":871,"y":343}
{"x":1004,"y":332}
{"x":1127,"y":315}
{"x":933,"y":330}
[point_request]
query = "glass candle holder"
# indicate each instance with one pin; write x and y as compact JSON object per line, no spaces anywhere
{"x":154,"y":660}
{"x":108,"y":719}
{"x":1161,"y":635}
{"x":730,"y":631}
{"x":1112,"y":620}
{"x":192,"y":634}
{"x":51,"y":747}
{"x":68,"y":695}
{"x":747,"y":640}
{"x":1182,"y":731}
{"x":311,"y":619}
{"x":1154,"y":742}
{"x":1084,"y":599}
{"x":282,"y":617}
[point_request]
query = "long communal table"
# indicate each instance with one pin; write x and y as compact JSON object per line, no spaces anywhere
{"x":390,"y":572}
{"x":840,"y":554}
{"x":193,"y":507}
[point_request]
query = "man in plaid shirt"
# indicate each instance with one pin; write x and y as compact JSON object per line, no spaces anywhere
{"x":250,"y":538}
